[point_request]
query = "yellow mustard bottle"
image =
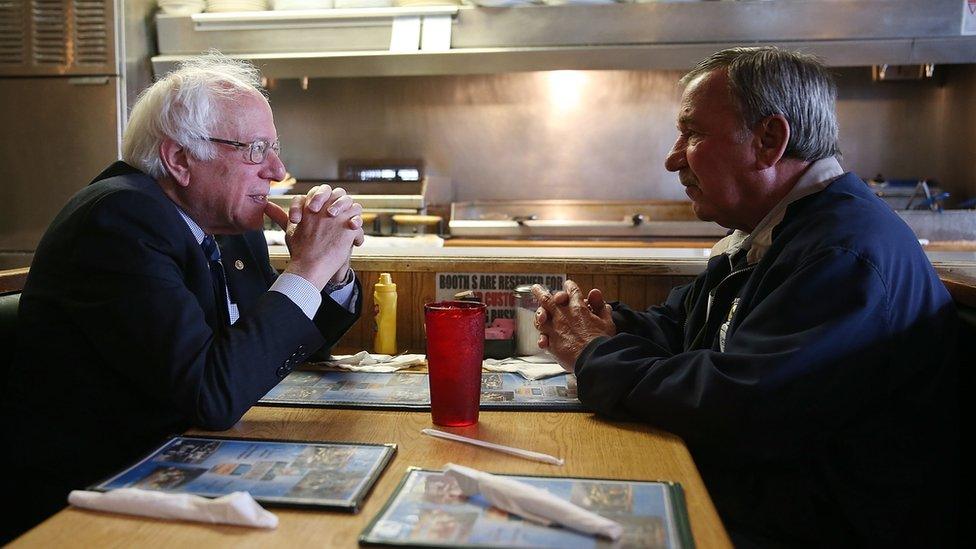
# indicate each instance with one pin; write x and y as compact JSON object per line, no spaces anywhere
{"x":384,"y":309}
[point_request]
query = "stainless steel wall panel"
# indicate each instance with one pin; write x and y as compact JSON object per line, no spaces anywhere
{"x":597,"y":134}
{"x":60,"y":133}
{"x":958,"y":124}
{"x":139,"y":46}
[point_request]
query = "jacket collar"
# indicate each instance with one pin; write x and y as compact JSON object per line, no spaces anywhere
{"x":116,"y":169}
{"x":119,"y":168}
{"x":816,"y":178}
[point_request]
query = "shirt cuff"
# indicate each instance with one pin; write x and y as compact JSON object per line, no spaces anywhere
{"x":346,"y":294}
{"x":300,"y":291}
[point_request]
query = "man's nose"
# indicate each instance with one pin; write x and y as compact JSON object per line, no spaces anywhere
{"x":676,"y":159}
{"x":275,"y":167}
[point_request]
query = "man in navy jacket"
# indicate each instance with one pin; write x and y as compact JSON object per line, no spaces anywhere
{"x":809,"y":367}
{"x":136,"y":323}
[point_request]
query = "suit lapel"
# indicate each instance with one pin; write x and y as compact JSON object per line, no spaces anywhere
{"x":246,"y":279}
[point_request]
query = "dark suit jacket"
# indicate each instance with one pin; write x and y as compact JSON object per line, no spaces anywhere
{"x":122,"y":344}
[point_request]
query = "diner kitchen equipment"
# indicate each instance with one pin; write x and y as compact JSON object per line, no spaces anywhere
{"x":386,"y":189}
{"x":568,"y":219}
{"x":909,"y":194}
{"x":411,"y":224}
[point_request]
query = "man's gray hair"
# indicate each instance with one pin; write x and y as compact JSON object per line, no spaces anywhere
{"x":185,"y":105}
{"x":766,"y":80}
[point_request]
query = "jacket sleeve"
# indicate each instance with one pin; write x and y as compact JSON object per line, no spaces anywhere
{"x":140,"y":307}
{"x":661,"y":325}
{"x":798,"y":364}
{"x":333,"y":320}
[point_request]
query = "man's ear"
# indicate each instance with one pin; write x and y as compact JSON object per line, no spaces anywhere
{"x":772,"y":134}
{"x":175,"y":159}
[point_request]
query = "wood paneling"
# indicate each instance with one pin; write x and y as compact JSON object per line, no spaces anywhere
{"x":414,"y":289}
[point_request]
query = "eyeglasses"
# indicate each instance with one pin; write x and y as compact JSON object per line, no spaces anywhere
{"x":254,"y":152}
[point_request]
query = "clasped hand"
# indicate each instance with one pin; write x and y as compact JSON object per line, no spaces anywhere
{"x":568,"y":322}
{"x":320,"y":230}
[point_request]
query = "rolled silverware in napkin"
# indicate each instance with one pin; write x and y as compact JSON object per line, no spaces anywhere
{"x":237,"y":508}
{"x":366,"y":362}
{"x":529,"y":367}
{"x":531,"y":503}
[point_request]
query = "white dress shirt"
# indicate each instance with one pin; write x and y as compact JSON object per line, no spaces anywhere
{"x":296,"y":288}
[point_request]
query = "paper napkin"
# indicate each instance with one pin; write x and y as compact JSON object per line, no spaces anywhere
{"x":237,"y":508}
{"x":531,"y":503}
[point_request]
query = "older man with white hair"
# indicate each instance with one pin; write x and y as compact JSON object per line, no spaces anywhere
{"x":151,"y":305}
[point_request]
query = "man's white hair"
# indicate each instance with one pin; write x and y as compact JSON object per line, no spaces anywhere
{"x":184,"y":105}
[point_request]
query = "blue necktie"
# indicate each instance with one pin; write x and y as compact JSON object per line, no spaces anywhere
{"x":212,"y":252}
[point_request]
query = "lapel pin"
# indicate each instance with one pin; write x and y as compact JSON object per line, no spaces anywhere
{"x":239,"y":265}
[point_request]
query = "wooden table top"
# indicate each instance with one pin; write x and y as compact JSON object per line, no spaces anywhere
{"x":591,"y":446}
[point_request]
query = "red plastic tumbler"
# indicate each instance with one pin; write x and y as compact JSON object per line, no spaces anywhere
{"x":455,"y":347}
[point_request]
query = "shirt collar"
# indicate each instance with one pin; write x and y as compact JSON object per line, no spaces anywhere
{"x":194,"y":228}
{"x":816,"y":178}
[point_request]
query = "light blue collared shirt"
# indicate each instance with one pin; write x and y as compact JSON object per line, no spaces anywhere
{"x":300,"y":291}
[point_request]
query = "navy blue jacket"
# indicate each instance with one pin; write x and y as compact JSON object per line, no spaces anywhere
{"x":828,"y":419}
{"x":121,"y":343}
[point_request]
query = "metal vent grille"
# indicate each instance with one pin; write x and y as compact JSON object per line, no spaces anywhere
{"x":13,"y":43}
{"x":60,"y":36}
{"x":91,"y":40}
{"x":49,"y":22}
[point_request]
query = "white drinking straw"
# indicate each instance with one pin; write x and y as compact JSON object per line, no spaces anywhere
{"x":527,"y":454}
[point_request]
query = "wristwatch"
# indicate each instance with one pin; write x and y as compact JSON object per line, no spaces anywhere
{"x":336,"y":286}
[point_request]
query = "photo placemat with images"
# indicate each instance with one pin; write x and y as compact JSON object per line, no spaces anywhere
{"x":275,"y":472}
{"x":428,"y":510}
{"x":410,"y":391}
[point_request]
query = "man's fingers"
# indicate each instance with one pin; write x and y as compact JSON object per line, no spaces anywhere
{"x":560,"y":298}
{"x":543,"y":341}
{"x":340,"y":205}
{"x":295,"y":210}
{"x":277,"y":214}
{"x":596,"y":302}
{"x":543,"y":295}
{"x":317,"y":200}
{"x":312,"y":192}
{"x":335,"y":206}
{"x":360,"y":238}
{"x":540,"y":317}
{"x":355,"y":222}
{"x":575,"y":294}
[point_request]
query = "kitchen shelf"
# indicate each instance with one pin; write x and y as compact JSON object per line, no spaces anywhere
{"x":311,"y":19}
{"x":657,"y":35}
